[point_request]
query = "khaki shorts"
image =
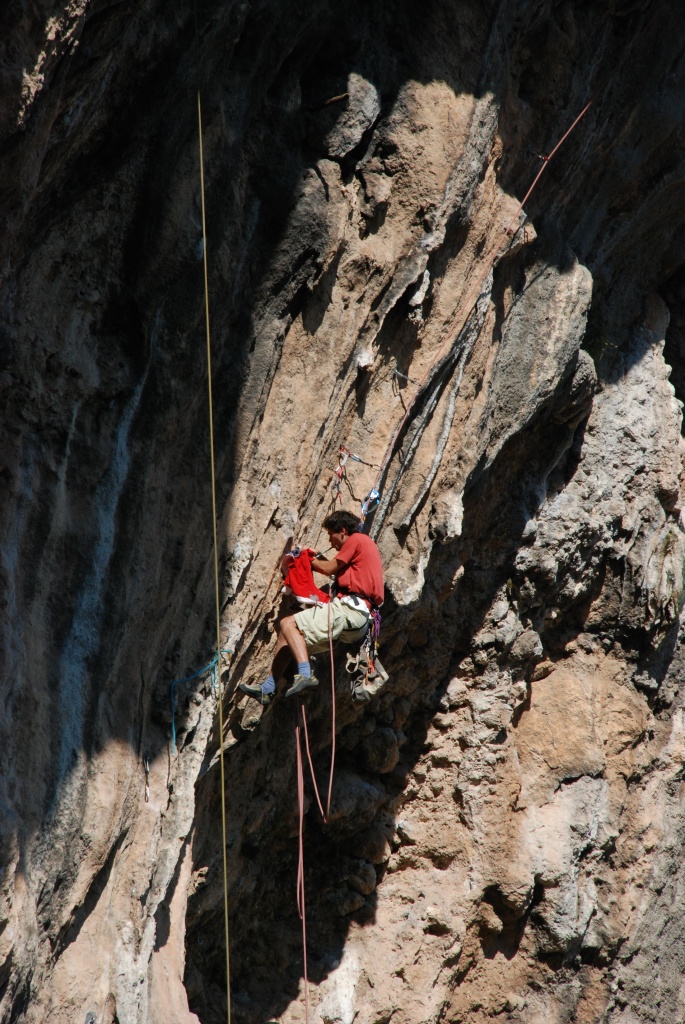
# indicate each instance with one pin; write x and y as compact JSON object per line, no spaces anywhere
{"x":347,"y":624}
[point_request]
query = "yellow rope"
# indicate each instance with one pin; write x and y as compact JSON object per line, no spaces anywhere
{"x":216,"y":566}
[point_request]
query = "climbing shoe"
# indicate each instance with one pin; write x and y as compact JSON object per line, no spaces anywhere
{"x":301,"y":684}
{"x":257,"y":692}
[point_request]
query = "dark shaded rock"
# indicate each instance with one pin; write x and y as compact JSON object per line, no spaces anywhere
{"x":381,"y":751}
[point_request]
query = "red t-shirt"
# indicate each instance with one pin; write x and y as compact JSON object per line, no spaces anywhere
{"x":297,"y":574}
{"x":363,"y":572}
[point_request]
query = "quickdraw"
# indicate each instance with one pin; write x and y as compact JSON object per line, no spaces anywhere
{"x":372,"y":499}
{"x":357,"y":458}
{"x":340,"y":473}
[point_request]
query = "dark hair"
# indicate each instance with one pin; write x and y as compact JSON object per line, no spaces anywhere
{"x":342,"y":520}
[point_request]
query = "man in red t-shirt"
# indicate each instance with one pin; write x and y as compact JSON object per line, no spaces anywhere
{"x":358,"y":590}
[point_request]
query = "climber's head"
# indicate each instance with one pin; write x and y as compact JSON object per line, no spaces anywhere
{"x":339,"y":526}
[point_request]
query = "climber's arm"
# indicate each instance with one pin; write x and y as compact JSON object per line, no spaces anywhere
{"x":327,"y":566}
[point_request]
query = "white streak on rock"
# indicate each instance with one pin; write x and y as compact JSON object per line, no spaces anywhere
{"x":83,"y":637}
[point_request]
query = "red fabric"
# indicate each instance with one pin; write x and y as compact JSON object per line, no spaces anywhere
{"x":363,"y":572}
{"x":299,"y":577}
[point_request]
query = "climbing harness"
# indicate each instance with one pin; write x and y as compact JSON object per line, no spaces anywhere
{"x":211,"y":667}
{"x":366,"y":673}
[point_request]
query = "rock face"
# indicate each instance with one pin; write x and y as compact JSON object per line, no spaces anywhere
{"x":506,"y":821}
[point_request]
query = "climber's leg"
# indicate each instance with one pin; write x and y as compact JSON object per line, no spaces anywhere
{"x":290,"y":634}
{"x":281,"y":658}
{"x":289,"y":643}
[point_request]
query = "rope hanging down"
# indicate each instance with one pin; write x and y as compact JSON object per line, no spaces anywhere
{"x":327,"y":813}
{"x":301,"y":904}
{"x":301,"y":716}
{"x":460,"y":319}
{"x":216,"y":562}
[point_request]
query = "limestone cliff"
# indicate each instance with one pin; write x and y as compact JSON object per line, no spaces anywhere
{"x":507,"y":828}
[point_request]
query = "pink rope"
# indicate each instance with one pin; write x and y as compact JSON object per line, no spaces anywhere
{"x":311,"y":766}
{"x":301,"y":903}
{"x":330,"y":779}
{"x":300,"y":865}
{"x":327,"y":813}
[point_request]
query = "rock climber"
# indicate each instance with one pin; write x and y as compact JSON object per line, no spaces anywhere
{"x":357,"y":589}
